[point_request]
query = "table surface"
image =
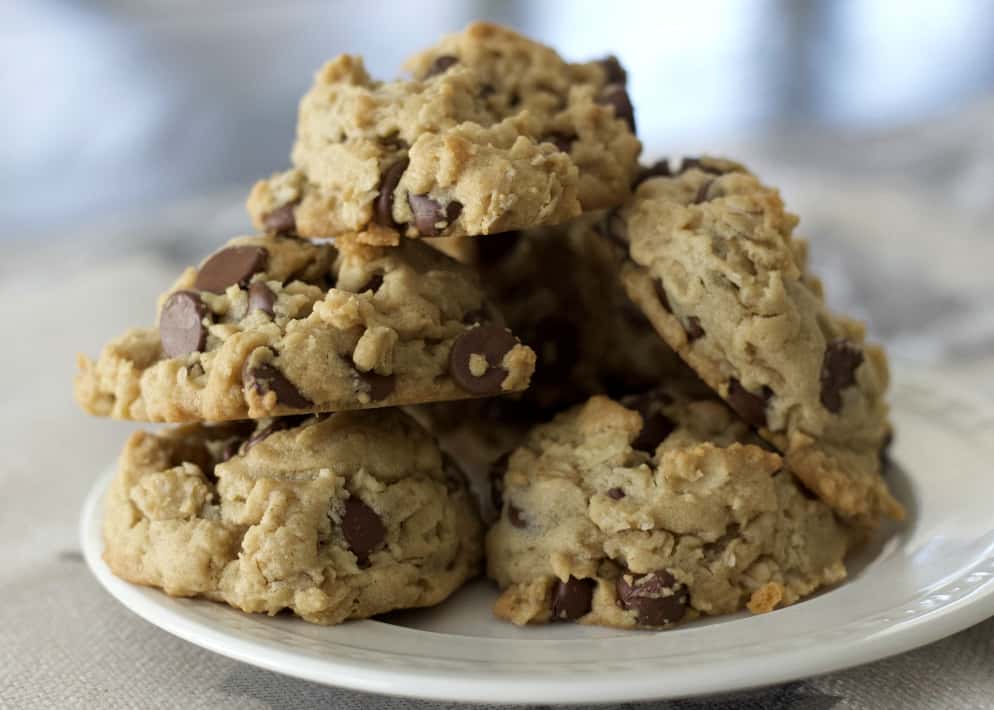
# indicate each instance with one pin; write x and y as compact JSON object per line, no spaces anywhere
{"x":900,"y":226}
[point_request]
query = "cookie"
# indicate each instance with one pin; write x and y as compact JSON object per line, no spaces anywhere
{"x":332,"y":517}
{"x":715,"y":268}
{"x":271,"y":325}
{"x":559,"y":291}
{"x":458,"y":150}
{"x":655,"y":513}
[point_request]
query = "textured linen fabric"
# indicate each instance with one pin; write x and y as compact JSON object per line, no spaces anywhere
{"x":66,"y":643}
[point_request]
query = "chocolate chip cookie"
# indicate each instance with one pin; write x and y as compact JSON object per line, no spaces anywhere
{"x":461,"y":149}
{"x":272,"y":325}
{"x":655,"y":512}
{"x":714,"y":266}
{"x":332,"y":517}
{"x":559,"y":291}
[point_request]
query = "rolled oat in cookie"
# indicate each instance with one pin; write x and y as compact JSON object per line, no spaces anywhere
{"x":494,"y":132}
{"x":654,"y":511}
{"x":332,"y":517}
{"x":714,"y":265}
{"x":273,"y":325}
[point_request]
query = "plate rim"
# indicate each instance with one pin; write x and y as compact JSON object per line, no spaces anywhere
{"x":769,"y":668}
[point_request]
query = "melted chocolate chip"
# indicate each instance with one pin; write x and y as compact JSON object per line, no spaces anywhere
{"x":657,"y":285}
{"x":615,"y":493}
{"x":429,"y":214}
{"x":515,"y":516}
{"x":383,"y":207}
{"x":838,"y":371}
{"x":656,"y":598}
{"x":267,"y":378}
{"x":379,"y":386}
{"x":281,"y":220}
{"x":751,"y":407}
{"x":181,"y":327}
{"x":234,"y":265}
{"x":694,"y":329}
{"x":490,"y":341}
{"x":441,"y":64}
{"x":363,"y":529}
{"x":492,"y":248}
{"x":613,"y":70}
{"x":571,"y":599}
{"x":562,"y":141}
{"x":261,"y":297}
{"x":615,"y":96}
{"x":497,"y":470}
{"x":655,"y":428}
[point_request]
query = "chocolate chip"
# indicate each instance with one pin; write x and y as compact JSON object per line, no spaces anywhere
{"x":656,"y":598}
{"x":281,"y":220}
{"x":615,"y":493}
{"x":181,"y":327}
{"x":614,"y":72}
{"x":838,"y":371}
{"x":490,"y":341}
{"x":493,"y":248}
{"x":374,"y":283}
{"x":441,"y":64}
{"x":261,"y":297}
{"x":657,"y":285}
{"x":363,"y":529}
{"x":702,"y":193}
{"x":562,"y":141}
{"x":428,"y":214}
{"x":497,"y":470}
{"x":661,"y":168}
{"x":694,"y":329}
{"x":655,"y":428}
{"x":487,"y":90}
{"x":615,"y":96}
{"x":751,"y":407}
{"x":383,"y":212}
{"x":515,"y":516}
{"x":234,"y":265}
{"x":267,"y":378}
{"x":379,"y":386}
{"x":571,"y":599}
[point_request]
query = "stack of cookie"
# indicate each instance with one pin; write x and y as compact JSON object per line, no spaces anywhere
{"x":700,"y":434}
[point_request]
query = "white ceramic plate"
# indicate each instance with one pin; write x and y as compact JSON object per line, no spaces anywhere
{"x":913,"y":585}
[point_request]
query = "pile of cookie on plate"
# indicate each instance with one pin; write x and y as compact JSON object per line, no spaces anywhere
{"x":469,"y":270}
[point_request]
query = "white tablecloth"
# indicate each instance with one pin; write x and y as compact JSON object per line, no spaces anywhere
{"x":904,"y":241}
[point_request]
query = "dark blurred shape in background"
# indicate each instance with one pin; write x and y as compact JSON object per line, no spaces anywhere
{"x":119,"y":106}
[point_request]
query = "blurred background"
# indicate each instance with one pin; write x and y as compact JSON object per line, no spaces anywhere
{"x":137,"y":127}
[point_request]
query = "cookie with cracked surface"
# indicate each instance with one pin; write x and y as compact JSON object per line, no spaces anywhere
{"x":518,"y":73}
{"x":332,"y":517}
{"x":443,"y":154}
{"x":714,"y":266}
{"x":271,"y":325}
{"x":654,"y":513}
